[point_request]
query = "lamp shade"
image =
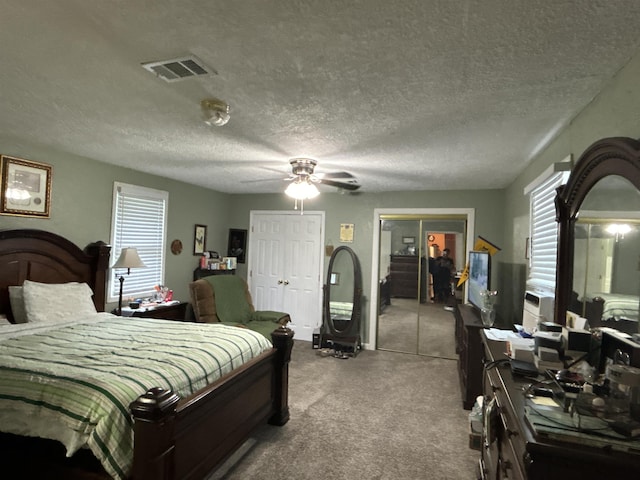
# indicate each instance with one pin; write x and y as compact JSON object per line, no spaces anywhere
{"x":129,"y":258}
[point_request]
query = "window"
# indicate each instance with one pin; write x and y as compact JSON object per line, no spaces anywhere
{"x":543,"y":242}
{"x":138,"y":220}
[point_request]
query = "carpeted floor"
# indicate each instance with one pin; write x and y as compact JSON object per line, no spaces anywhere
{"x":423,"y":328}
{"x":382,"y":415}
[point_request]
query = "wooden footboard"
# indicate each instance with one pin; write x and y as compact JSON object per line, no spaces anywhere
{"x":187,"y":438}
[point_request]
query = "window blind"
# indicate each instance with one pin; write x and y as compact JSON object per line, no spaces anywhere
{"x":138,"y":220}
{"x":544,"y":232}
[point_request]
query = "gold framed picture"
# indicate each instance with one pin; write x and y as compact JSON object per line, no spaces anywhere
{"x":25,"y":187}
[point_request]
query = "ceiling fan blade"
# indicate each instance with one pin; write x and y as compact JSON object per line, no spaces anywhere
{"x":263,"y":180}
{"x":334,"y":175}
{"x":344,"y":185}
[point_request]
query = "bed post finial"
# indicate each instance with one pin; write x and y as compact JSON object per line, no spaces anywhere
{"x":154,"y":415}
{"x":282,"y":339}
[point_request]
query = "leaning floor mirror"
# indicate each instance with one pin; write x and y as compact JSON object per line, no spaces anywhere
{"x":342,"y":303}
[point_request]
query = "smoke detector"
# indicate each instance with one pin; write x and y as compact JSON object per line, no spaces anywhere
{"x":215,"y":112}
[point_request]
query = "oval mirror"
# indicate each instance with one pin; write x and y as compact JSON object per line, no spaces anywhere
{"x":342,"y":302}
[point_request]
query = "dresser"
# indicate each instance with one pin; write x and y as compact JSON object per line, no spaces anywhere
{"x":404,"y":273}
{"x":510,"y":448}
{"x":470,"y":354}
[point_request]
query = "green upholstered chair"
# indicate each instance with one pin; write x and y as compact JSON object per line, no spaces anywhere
{"x":226,"y":299}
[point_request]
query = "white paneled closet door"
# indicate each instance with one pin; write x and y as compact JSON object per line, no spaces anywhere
{"x":285,"y":266}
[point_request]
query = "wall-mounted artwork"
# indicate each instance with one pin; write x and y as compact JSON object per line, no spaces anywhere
{"x":346,"y":232}
{"x":237,"y":244}
{"x":199,"y":239}
{"x":25,"y":188}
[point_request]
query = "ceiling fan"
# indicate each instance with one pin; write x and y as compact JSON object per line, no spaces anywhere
{"x":303,"y":178}
{"x":302,"y":170}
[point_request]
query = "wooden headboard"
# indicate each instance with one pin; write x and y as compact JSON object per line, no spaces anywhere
{"x":49,"y":258}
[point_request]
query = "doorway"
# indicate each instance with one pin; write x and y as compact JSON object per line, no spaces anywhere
{"x":405,"y":314}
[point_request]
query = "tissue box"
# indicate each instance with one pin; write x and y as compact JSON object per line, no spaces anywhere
{"x":521,"y":349}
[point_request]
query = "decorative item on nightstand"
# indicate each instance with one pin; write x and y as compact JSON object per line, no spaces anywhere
{"x":128,"y":259}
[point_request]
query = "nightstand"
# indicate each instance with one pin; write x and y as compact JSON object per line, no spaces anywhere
{"x":175,"y":311}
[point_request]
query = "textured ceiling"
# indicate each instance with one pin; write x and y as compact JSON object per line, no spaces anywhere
{"x":405,"y":95}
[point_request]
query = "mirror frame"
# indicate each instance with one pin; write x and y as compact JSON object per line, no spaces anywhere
{"x":608,"y":156}
{"x":354,"y":325}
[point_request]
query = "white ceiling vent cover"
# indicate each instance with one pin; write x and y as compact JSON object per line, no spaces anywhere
{"x":179,"y":68}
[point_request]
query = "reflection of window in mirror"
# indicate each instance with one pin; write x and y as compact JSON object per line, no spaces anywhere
{"x":335,"y":279}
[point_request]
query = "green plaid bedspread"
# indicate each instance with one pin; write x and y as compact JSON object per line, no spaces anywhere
{"x":82,"y":376}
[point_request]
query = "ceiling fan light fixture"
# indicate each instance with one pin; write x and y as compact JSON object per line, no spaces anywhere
{"x":216,"y":112}
{"x":302,"y":189}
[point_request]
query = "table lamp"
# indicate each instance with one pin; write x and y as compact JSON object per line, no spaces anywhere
{"x":128,"y":259}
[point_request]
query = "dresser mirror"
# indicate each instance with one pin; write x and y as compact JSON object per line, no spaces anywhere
{"x":342,"y":301}
{"x":598,"y":275}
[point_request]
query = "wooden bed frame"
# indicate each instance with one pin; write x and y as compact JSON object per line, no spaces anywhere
{"x":174,"y":438}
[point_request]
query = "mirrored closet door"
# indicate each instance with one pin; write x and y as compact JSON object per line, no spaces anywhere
{"x":411,"y":316}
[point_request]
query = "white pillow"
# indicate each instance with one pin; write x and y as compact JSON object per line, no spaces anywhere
{"x":17,"y":304}
{"x":54,"y":302}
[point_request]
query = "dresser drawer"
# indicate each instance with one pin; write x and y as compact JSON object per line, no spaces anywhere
{"x":508,"y":465}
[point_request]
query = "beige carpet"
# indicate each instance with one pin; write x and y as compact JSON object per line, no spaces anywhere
{"x":381,"y":415}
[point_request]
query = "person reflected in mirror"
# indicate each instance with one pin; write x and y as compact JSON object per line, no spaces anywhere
{"x":443,"y":274}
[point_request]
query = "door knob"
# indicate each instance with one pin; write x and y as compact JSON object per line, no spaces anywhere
{"x":280,"y":282}
{"x":286,"y":282}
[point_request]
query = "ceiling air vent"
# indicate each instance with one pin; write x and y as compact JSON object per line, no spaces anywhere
{"x":179,"y":68}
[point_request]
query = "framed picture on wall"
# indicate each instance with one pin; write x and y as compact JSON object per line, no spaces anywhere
{"x":237,"y":244}
{"x":408,"y":240}
{"x":200,"y":239}
{"x":25,"y":188}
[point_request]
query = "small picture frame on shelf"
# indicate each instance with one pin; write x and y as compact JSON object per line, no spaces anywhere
{"x":200,"y":240}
